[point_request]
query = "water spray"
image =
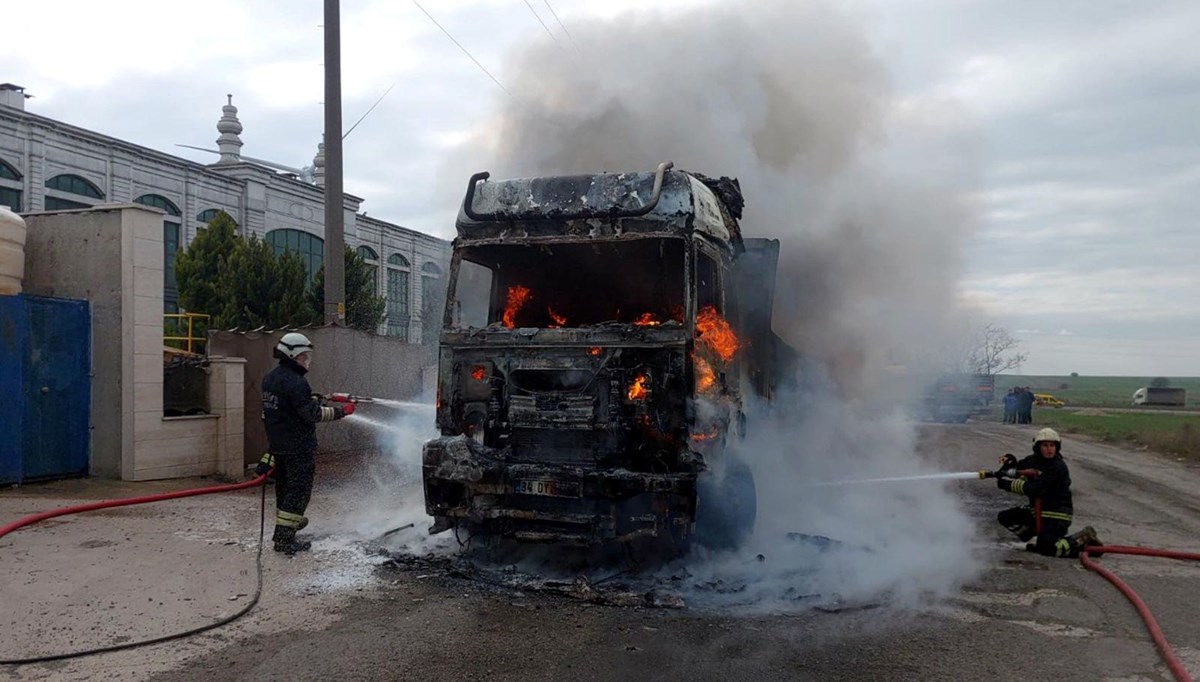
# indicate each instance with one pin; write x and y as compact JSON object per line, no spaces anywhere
{"x":955,"y":476}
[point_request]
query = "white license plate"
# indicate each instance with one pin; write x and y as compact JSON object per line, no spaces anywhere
{"x":549,"y":488}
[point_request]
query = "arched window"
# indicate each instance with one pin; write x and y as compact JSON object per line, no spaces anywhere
{"x":397,"y":296}
{"x":7,"y":172}
{"x":70,"y":184}
{"x":367,"y":253}
{"x":310,"y":247}
{"x":10,"y":186}
{"x":171,"y":236}
{"x":372,"y":260}
{"x":209,"y":214}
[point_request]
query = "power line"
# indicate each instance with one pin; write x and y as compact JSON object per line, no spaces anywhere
{"x":536,"y":16}
{"x":464,"y":50}
{"x":360,"y":120}
{"x":561,"y":24}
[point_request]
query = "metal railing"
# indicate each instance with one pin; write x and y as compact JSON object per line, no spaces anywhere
{"x":174,"y":326}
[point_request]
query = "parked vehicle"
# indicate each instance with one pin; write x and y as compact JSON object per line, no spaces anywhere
{"x":1153,"y":395}
{"x":958,"y":397}
{"x":1047,"y":400}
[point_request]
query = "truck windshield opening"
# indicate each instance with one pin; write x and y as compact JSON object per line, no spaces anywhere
{"x":571,"y":284}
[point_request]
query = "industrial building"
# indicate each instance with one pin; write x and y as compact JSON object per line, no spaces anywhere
{"x":49,"y":165}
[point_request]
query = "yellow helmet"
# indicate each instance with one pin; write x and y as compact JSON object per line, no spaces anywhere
{"x":1047,"y":434}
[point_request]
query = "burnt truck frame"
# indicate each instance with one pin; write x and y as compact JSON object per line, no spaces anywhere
{"x":587,"y":390}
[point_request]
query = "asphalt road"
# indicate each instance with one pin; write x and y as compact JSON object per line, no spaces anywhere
{"x":1024,"y":617}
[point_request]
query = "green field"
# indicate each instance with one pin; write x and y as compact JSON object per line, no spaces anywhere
{"x":1091,"y":391}
{"x":1177,"y":435}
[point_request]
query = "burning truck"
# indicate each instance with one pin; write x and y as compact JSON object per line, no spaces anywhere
{"x":601,"y":333}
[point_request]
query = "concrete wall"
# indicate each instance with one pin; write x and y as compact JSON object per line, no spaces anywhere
{"x":345,"y":361}
{"x":77,"y":254}
{"x":113,"y":258}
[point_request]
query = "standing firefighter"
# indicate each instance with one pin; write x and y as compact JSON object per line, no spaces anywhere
{"x":1044,"y":479}
{"x":290,"y":412}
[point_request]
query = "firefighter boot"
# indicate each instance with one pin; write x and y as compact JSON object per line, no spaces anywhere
{"x":1086,"y":538}
{"x":286,"y":542}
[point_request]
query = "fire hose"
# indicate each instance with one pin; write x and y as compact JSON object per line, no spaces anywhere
{"x":1164,"y":648}
{"x":108,"y":504}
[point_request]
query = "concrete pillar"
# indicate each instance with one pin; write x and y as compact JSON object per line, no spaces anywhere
{"x":226,"y":397}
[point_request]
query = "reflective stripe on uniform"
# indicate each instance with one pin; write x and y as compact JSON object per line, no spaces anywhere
{"x":1059,"y":516}
{"x":287,"y":519}
{"x":1062,"y":547}
{"x":328,"y":414}
{"x":1017,"y":486}
{"x":267,"y":459}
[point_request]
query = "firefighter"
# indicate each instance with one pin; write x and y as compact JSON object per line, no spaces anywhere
{"x":290,"y":413}
{"x":1044,"y":479}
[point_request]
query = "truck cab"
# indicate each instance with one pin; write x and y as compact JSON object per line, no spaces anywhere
{"x":593,"y":359}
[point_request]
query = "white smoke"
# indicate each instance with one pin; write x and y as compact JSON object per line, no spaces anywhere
{"x":867,"y":195}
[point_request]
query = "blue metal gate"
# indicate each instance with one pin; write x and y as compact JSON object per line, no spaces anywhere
{"x":45,"y":361}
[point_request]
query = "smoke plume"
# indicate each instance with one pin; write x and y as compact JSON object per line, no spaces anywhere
{"x":865,"y":193}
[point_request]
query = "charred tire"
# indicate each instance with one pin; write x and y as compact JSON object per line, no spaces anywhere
{"x":726,"y":507}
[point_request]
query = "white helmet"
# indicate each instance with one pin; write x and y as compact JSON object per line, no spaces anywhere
{"x":1047,"y":435}
{"x":293,"y":344}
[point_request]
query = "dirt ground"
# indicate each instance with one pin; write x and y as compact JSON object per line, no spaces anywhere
{"x":348,"y":612}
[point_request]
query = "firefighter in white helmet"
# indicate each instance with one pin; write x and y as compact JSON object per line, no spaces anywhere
{"x":290,"y":414}
{"x":1044,"y":479}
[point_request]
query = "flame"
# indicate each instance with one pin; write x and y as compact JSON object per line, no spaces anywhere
{"x":478,"y":372}
{"x":517,"y":297}
{"x":594,"y":351}
{"x":647,"y":320}
{"x":704,"y":374}
{"x":559,"y":320}
{"x":716,"y":333}
{"x":704,"y":436}
{"x":637,"y":390}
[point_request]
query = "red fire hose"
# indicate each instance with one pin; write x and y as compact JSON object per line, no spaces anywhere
{"x":107,"y":504}
{"x":1164,"y":648}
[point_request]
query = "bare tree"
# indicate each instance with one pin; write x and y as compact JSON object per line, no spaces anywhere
{"x":994,"y":351}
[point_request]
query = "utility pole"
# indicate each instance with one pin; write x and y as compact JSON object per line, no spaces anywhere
{"x":335,"y":213}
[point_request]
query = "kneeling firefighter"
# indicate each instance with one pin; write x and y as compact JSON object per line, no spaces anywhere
{"x":290,"y":413}
{"x":1043,"y":478}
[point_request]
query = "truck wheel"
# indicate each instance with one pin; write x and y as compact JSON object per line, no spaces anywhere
{"x":726,"y":508}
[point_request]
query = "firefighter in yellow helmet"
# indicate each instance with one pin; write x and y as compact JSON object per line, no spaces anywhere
{"x":1043,"y":478}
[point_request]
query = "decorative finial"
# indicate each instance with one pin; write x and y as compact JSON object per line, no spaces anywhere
{"x":229,"y":144}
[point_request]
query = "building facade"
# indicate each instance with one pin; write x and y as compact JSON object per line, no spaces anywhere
{"x":48,"y":165}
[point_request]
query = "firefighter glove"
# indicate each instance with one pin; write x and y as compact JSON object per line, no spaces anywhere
{"x":1008,"y":461}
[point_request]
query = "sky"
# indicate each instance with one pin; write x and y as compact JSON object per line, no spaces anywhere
{"x":1071,"y":130}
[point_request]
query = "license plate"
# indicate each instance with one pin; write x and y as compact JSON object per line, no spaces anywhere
{"x":548,"y":488}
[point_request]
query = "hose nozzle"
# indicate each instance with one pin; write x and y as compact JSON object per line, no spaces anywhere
{"x":986,"y":474}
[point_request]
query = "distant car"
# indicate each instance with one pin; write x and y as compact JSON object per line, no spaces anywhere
{"x":1047,"y":400}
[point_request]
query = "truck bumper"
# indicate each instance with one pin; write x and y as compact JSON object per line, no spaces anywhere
{"x":467,"y":484}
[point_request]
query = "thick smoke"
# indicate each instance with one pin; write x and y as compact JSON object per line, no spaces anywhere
{"x":867,"y":199}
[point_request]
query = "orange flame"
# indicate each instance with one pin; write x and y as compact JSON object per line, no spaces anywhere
{"x":517,"y":297}
{"x":647,"y":320}
{"x":559,"y":320}
{"x":704,"y":374}
{"x":478,"y":372}
{"x":703,"y":436}
{"x":594,"y":351}
{"x":716,"y":333}
{"x":637,"y":390}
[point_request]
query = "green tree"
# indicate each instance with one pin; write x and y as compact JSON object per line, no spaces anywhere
{"x":364,"y":310}
{"x":198,"y":267}
{"x":290,"y":305}
{"x":248,"y":285}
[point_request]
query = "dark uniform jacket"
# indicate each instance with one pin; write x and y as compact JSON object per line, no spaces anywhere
{"x":1052,"y":486}
{"x":290,"y":412}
